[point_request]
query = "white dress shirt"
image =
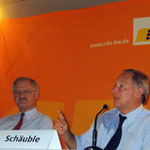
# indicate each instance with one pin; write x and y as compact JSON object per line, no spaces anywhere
{"x":33,"y":120}
{"x":135,"y":130}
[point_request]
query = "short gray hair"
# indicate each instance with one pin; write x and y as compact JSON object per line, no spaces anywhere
{"x":139,"y":79}
{"x":33,"y":83}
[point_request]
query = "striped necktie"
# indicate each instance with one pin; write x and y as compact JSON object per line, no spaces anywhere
{"x":19,"y":124}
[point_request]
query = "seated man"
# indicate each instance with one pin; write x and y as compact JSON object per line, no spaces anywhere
{"x":127,"y":127}
{"x":26,"y":94}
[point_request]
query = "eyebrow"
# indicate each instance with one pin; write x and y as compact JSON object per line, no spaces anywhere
{"x":21,"y":89}
{"x":120,"y":82}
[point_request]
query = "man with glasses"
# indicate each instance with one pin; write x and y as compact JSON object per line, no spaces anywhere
{"x":127,"y":127}
{"x":26,"y":93}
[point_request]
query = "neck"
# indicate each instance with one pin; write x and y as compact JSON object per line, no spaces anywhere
{"x":23,"y":110}
{"x":124,"y":112}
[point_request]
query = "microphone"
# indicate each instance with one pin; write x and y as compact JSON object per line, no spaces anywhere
{"x":94,"y":138}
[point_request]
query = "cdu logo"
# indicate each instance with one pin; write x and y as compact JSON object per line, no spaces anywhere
{"x":141,"y":31}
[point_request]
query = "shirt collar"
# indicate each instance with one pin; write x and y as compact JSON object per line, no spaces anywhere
{"x":131,"y":115}
{"x":29,"y":113}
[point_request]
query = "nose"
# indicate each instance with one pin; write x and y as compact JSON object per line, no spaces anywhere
{"x":22,"y":94}
{"x":115,"y":89}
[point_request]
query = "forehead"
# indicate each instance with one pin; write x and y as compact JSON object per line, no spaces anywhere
{"x":23,"y":84}
{"x":125,"y":78}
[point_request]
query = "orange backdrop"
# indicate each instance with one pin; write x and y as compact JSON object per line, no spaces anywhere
{"x":74,"y":55}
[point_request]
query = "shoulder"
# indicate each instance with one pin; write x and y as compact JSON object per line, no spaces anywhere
{"x":145,"y":111}
{"x":9,"y":117}
{"x":108,"y":116}
{"x":145,"y":115}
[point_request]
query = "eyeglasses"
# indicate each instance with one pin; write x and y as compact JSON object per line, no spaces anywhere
{"x":24,"y":92}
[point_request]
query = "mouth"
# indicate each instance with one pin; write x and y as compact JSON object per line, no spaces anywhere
{"x":22,"y":100}
{"x":116,"y":98}
{"x":116,"y":101}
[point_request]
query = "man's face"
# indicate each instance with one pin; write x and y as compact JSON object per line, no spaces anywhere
{"x":25,"y":96}
{"x":125,"y":94}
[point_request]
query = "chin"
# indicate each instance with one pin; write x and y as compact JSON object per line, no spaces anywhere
{"x":117,"y":105}
{"x":22,"y":105}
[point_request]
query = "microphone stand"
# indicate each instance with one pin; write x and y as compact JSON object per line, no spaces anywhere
{"x":94,"y":138}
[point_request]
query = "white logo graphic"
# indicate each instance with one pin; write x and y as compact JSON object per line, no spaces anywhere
{"x":141,"y":31}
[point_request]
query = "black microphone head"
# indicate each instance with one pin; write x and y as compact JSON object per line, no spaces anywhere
{"x":105,"y":106}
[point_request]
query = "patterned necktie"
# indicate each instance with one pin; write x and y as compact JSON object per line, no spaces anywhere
{"x":115,"y":140}
{"x":18,"y":126}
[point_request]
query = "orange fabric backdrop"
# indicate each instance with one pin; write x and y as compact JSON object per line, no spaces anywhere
{"x":56,"y":50}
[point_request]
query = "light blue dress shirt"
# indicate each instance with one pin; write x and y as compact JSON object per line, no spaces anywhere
{"x":33,"y":120}
{"x":135,"y":130}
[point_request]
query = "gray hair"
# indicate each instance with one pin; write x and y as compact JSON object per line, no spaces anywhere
{"x":33,"y":83}
{"x":139,"y":79}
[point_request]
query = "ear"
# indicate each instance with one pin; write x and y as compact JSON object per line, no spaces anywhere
{"x":139,"y":92}
{"x":36,"y":93}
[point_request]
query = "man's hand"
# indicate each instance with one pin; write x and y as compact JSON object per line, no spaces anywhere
{"x":61,"y":124}
{"x":62,"y":127}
